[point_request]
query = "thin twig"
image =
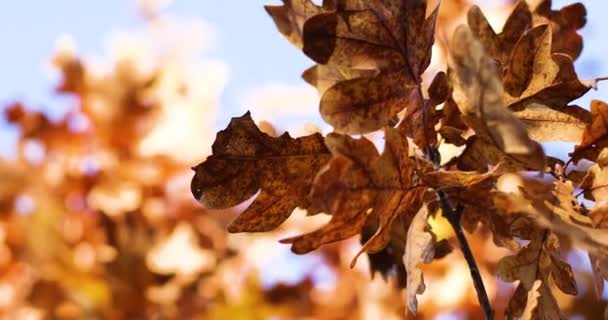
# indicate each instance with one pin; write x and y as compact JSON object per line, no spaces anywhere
{"x":601,"y":78}
{"x":454,"y":216}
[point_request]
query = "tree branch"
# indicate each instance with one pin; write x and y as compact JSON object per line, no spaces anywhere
{"x":454,"y":216}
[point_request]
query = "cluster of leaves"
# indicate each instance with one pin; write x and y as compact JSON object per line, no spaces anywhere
{"x":502,"y":95}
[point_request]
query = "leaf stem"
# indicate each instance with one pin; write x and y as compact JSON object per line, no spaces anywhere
{"x":454,"y":216}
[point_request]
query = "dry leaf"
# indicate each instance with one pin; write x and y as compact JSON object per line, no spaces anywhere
{"x":535,"y":75}
{"x":290,"y":17}
{"x":532,"y":302}
{"x":594,"y":138}
{"x":358,"y":183}
{"x":393,"y":37}
{"x":556,"y":123}
{"x":539,"y":260}
{"x":565,"y":24}
{"x":499,"y":46}
{"x":419,"y":249}
{"x":245,"y":161}
{"x":477,"y":92}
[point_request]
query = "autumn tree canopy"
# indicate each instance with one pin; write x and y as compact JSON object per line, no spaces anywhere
{"x":501,"y":96}
{"x":434,"y":194}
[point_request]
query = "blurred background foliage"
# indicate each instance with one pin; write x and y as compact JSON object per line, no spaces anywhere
{"x":97,"y":220}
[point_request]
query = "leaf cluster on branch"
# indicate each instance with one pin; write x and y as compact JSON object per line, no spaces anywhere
{"x":502,"y":95}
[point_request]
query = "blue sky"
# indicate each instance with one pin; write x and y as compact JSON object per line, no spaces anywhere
{"x":246,"y":41}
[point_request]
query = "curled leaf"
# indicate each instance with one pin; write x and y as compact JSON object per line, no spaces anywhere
{"x":419,"y":249}
{"x":595,"y":137}
{"x":477,"y":92}
{"x":290,"y":17}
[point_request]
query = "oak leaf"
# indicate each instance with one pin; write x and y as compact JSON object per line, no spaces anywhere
{"x":388,"y":261}
{"x":419,"y":249}
{"x":556,"y":123}
{"x":291,"y":16}
{"x":553,"y":206}
{"x":357,"y":184}
{"x":245,"y":161}
{"x":477,"y":91}
{"x":562,"y":213}
{"x":393,"y":37}
{"x":539,"y":79}
{"x":565,"y":24}
{"x":540,"y":87}
{"x":421,"y":114}
{"x":595,"y":184}
{"x":499,"y":46}
{"x":595,"y":136}
{"x":539,"y":260}
{"x":532,"y":302}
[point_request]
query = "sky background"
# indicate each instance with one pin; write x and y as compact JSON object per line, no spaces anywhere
{"x":261,"y":64}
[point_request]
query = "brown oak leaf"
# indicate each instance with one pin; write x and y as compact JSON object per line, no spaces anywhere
{"x":419,"y":249}
{"x":532,"y":303}
{"x":477,"y":92}
{"x":358,"y":183}
{"x":393,"y":37}
{"x":541,"y":85}
{"x":553,"y":206}
{"x":595,"y":185}
{"x":388,"y":261}
{"x":565,"y":24}
{"x":539,"y":260}
{"x":539,"y":80}
{"x":421,"y":114}
{"x":557,"y":123}
{"x":499,"y":46}
{"x":595,"y":137}
{"x":245,"y":161}
{"x":291,"y":16}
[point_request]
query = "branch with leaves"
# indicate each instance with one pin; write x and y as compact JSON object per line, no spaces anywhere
{"x":502,"y":95}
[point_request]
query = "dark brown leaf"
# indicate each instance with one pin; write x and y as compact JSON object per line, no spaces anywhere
{"x":366,"y":104}
{"x":245,"y":161}
{"x":565,"y":24}
{"x":324,"y":77}
{"x":290,"y":17}
{"x":357,"y":184}
{"x":393,"y":37}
